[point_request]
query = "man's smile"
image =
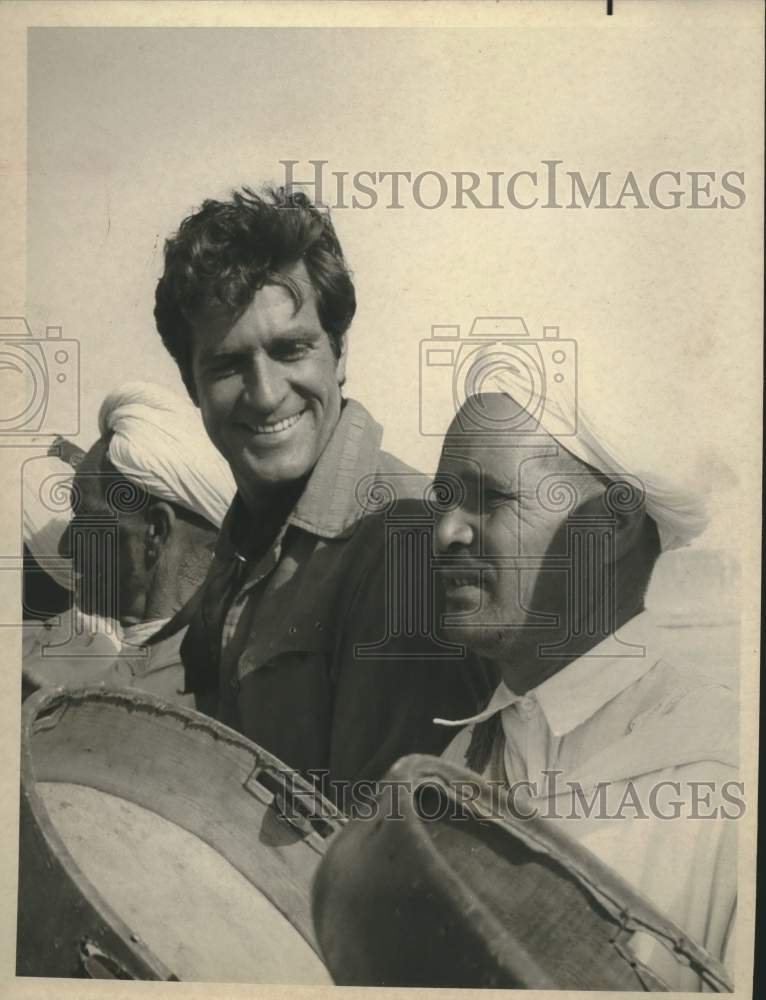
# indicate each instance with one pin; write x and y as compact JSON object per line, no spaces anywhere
{"x":270,"y":428}
{"x":465,"y":580}
{"x":454,"y":582}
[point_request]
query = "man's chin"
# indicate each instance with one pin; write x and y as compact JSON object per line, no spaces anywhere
{"x":274,"y":470}
{"x":96,"y":602}
{"x":474,"y":635}
{"x":484,"y":639}
{"x":85,"y":608}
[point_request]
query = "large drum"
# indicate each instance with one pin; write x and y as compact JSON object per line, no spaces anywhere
{"x":441,"y":886}
{"x":157,"y":844}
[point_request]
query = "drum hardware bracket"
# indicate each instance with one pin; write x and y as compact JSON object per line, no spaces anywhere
{"x":292,"y":803}
{"x":51,"y":718}
{"x":621,"y":940}
{"x":97,"y":964}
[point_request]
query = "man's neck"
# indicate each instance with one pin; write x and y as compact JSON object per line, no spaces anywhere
{"x":173,"y":586}
{"x":528,"y":668}
{"x":266,"y":511}
{"x":161,"y":603}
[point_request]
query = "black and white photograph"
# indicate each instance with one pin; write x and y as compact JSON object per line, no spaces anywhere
{"x":381,"y":395}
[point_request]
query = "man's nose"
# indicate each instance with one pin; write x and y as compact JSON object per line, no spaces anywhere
{"x":265,"y":385}
{"x":454,"y":530}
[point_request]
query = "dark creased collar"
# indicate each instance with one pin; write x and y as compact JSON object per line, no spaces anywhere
{"x":333,"y":500}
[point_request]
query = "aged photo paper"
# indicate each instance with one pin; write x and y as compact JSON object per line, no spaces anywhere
{"x":381,"y":395}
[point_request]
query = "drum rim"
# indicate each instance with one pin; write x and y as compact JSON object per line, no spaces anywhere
{"x":28,"y":782}
{"x":32,"y":713}
{"x":606,"y":886}
{"x":34,"y":705}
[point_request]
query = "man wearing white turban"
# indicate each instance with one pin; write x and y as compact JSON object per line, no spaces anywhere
{"x":546,"y":551}
{"x":148,"y":500}
{"x":57,"y":636}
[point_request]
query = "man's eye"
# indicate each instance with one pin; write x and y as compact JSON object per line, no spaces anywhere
{"x":293,"y":351}
{"x":225,"y":363}
{"x":496,"y":498}
{"x":221,"y":369}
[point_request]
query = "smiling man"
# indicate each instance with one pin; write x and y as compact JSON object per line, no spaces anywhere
{"x":255,"y":304}
{"x":268,"y":385}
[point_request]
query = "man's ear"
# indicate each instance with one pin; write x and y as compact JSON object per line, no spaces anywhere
{"x":187,"y":376}
{"x":160,"y":523}
{"x":629,"y":531}
{"x":629,"y":524}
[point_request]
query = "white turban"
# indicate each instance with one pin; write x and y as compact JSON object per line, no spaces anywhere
{"x":46,"y":489}
{"x":617,"y":445}
{"x":158,"y":442}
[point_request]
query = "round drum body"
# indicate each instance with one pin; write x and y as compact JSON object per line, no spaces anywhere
{"x":156,"y":843}
{"x":444,"y":887}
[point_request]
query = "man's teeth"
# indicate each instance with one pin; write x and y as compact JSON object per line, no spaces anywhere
{"x":463,"y":581}
{"x":280,"y":425}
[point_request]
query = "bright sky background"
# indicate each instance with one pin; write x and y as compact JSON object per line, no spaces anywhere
{"x":129,"y":129}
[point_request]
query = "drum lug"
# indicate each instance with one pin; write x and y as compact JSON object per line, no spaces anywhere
{"x":49,"y":717}
{"x":97,"y":964}
{"x":295,"y":803}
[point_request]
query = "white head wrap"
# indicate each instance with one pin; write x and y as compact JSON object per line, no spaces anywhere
{"x":623,"y":448}
{"x":46,"y":489}
{"x":158,"y":442}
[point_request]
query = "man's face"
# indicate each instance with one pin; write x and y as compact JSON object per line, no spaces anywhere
{"x":268,"y":386}
{"x":504,"y":590}
{"x":106,"y":540}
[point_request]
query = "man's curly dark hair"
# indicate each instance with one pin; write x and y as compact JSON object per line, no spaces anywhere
{"x":225,"y":252}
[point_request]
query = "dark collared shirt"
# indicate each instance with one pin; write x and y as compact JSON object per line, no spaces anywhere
{"x":322,"y":650}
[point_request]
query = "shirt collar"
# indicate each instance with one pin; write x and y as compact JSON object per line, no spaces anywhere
{"x":329,"y":505}
{"x":577,"y":692}
{"x":138,"y":633}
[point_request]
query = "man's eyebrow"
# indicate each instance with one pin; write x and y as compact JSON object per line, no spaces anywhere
{"x":214,"y":353}
{"x":504,"y":484}
{"x":461,"y":472}
{"x":295,"y":333}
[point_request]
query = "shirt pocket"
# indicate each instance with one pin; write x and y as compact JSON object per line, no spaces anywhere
{"x":282,"y":697}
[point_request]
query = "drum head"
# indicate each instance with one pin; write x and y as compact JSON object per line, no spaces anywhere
{"x":442,"y":886}
{"x":191,"y":848}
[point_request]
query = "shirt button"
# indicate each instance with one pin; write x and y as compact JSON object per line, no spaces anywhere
{"x":293,"y":629}
{"x":318,"y":626}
